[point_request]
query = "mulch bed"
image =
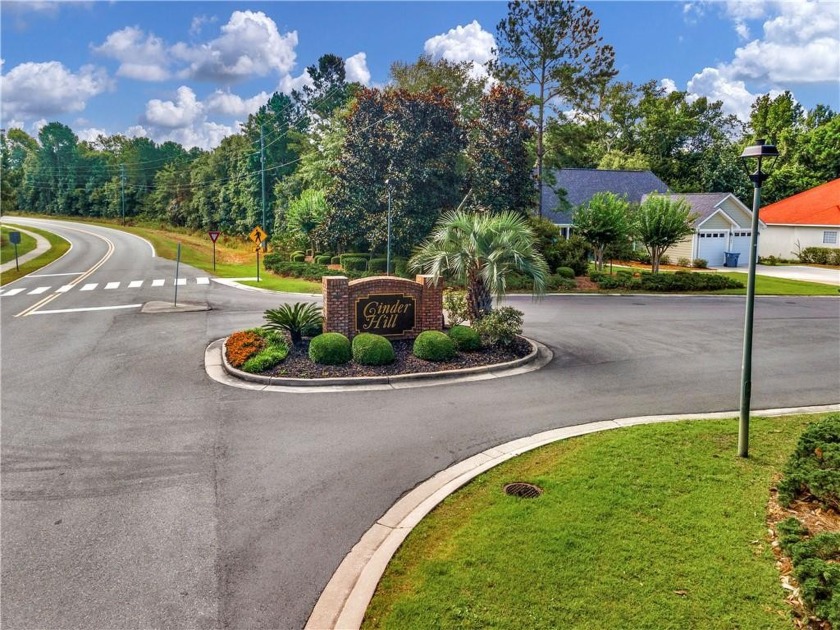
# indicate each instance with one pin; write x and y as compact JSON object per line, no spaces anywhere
{"x":299,"y":365}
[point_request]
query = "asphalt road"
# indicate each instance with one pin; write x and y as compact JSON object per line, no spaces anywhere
{"x":137,"y":492}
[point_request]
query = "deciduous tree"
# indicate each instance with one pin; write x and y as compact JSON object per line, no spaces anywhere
{"x":603,"y":221}
{"x":662,"y":221}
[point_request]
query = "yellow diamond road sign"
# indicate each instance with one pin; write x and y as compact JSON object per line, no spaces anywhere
{"x":257,"y":235}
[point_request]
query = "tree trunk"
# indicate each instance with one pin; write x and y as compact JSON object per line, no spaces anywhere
{"x":479,"y":300}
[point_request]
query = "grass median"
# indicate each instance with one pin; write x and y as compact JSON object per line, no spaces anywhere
{"x":58,"y":247}
{"x":655,"y":526}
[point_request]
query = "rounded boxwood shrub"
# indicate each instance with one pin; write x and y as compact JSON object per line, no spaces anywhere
{"x":330,"y":349}
{"x":322,"y":260}
{"x":565,"y":272}
{"x":433,"y":345}
{"x":466,"y":339}
{"x":370,"y":349}
{"x":351,"y":263}
{"x":299,"y":258}
{"x":377,"y":264}
{"x":335,"y":260}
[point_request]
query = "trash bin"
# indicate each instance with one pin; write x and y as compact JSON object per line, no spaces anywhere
{"x":731,"y":259}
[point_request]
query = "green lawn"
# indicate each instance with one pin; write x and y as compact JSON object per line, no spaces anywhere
{"x":657,"y":526}
{"x":765,"y":285}
{"x":7,"y":249}
{"x":58,"y":246}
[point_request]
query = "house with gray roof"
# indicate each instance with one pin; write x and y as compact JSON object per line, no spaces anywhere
{"x":723,"y":225}
{"x":573,"y":187}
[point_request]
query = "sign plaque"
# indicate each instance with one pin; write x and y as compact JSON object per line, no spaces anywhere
{"x":386,"y":314}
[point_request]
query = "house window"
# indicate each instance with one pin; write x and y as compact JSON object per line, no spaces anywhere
{"x":830,"y":237}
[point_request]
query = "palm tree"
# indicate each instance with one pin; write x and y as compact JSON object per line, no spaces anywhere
{"x":481,"y":249}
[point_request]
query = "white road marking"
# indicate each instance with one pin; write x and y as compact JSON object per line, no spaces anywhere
{"x":64,"y":289}
{"x":135,"y":284}
{"x":53,"y":275}
{"x":89,"y":287}
{"x":158,"y":283}
{"x":181,"y":282}
{"x":112,"y":285}
{"x":11,"y":292}
{"x":38,"y":291}
{"x":91,"y":308}
{"x":202,"y":280}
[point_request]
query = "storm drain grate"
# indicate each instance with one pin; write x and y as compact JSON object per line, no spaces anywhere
{"x":523,"y":490}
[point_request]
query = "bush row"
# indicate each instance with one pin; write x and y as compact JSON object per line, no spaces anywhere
{"x":819,"y":256}
{"x":665,"y":282}
{"x":353,"y":268}
{"x":256,"y":350}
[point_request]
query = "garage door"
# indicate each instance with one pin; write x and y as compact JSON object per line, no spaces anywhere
{"x":741,"y":244}
{"x":711,"y":247}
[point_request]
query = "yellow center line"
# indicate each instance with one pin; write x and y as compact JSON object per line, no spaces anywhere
{"x":85,"y":275}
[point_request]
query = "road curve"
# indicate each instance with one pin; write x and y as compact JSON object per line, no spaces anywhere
{"x":138,"y":492}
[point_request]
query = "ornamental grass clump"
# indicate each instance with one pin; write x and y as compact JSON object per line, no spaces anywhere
{"x":370,"y":349}
{"x":466,"y":339}
{"x":330,"y":349}
{"x":433,"y":345}
{"x":296,"y":319}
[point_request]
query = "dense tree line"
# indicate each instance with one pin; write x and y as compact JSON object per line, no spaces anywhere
{"x":319,"y":167}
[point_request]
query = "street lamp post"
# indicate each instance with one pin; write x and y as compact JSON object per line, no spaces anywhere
{"x":388,"y":250}
{"x":759,"y":151}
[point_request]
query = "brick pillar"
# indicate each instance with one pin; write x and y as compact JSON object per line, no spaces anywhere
{"x":336,"y":304}
{"x":431,"y":308}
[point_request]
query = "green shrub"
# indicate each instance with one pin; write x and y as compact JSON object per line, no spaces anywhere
{"x":815,"y":568}
{"x":377,"y":265}
{"x":687,"y":281}
{"x":330,"y":349}
{"x":322,"y":260}
{"x":294,"y":319}
{"x":684,"y":262}
{"x":370,"y":349}
{"x":351,"y":263}
{"x":353,"y":255}
{"x":299,"y":258}
{"x":401,"y":267}
{"x":466,"y":339}
{"x":665,"y":260}
{"x":265,"y":360}
{"x":500,"y":327}
{"x":559,"y":283}
{"x":433,"y":345}
{"x":335,"y":260}
{"x":565,"y":272}
{"x":814,"y":467}
{"x":455,"y":305}
{"x":819,"y":256}
{"x":700,"y":263}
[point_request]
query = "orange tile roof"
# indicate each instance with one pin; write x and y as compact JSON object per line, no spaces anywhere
{"x":818,"y":206}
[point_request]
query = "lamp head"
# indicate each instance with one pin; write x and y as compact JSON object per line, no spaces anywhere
{"x":760,"y":150}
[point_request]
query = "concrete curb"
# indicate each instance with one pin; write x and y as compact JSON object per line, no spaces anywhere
{"x":42,"y":246}
{"x":221,"y":371}
{"x":345,"y":599}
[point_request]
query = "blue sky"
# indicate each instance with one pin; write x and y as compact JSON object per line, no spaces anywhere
{"x":192,"y":71}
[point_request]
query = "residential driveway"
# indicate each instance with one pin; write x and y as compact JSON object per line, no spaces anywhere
{"x":801,"y":272}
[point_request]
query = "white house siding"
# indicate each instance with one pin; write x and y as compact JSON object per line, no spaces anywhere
{"x":683,"y":249}
{"x":781,"y":240}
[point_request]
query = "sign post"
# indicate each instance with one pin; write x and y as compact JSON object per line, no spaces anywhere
{"x":214,"y":234}
{"x":177,"y":268}
{"x":14,"y":238}
{"x":258,"y":236}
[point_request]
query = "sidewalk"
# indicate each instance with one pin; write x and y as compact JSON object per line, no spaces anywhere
{"x":42,"y":245}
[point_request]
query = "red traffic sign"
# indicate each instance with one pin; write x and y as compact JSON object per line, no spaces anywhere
{"x":214,"y":235}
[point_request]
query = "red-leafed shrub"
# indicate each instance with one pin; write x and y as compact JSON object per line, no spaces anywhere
{"x":241,"y":346}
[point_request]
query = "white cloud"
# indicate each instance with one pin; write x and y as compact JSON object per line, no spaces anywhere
{"x":198,"y":23}
{"x":800,"y":44}
{"x":463,"y":43}
{"x":289,"y":83}
{"x":668,"y":85}
{"x":233,"y":105}
{"x":90,"y":134}
{"x":183,"y":112}
{"x":356,"y":69}
{"x":137,"y":131}
{"x":46,"y":89}
{"x":250,"y":45}
{"x":205,"y":135}
{"x":141,"y":56}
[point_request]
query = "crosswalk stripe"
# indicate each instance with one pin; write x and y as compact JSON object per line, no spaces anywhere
{"x":65,"y":288}
{"x":181,"y":282}
{"x":158,"y":283}
{"x":11,"y":292}
{"x":202,"y":280}
{"x":112,"y":285}
{"x":135,"y":284}
{"x":38,"y":291}
{"x":89,"y":287}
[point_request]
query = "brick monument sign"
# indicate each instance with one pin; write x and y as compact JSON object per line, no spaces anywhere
{"x":393,"y":307}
